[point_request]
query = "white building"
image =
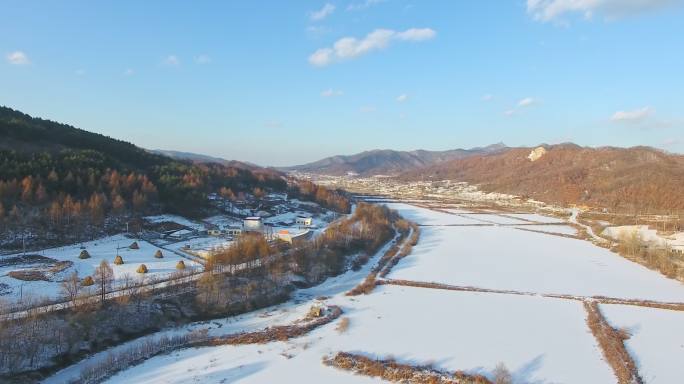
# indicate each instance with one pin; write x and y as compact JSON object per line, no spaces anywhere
{"x":304,"y":221}
{"x":253,"y":223}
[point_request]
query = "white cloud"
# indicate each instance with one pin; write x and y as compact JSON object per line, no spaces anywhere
{"x":367,"y":109}
{"x":322,"y":13}
{"x":488,"y":97}
{"x":18,"y":58}
{"x":172,"y":60}
{"x":129,"y":72}
{"x":634,"y":116}
{"x":331,"y":93}
{"x":351,"y":47}
{"x":363,"y":5}
{"x":403,"y":97}
{"x":548,"y":10}
{"x":526,"y":102}
{"x":317,"y":30}
{"x":510,"y":112}
{"x":416,"y":34}
{"x":321,"y":57}
{"x":203,"y":59}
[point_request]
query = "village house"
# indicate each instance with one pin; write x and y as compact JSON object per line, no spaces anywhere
{"x":292,"y":238}
{"x":233,"y":230}
{"x":253,"y":224}
{"x":304,"y":221}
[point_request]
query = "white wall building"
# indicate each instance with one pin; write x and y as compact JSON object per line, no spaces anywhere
{"x":305,"y":221}
{"x":253,"y":223}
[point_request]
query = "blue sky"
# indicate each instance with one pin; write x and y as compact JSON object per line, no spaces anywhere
{"x":281,"y":83}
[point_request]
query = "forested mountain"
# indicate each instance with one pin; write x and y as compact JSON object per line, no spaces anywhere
{"x":388,"y":162}
{"x":199,"y":158}
{"x":639,"y":179}
{"x":58,"y":176}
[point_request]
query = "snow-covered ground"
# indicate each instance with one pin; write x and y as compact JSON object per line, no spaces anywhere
{"x":552,"y":228}
{"x":425,"y":216}
{"x":535,"y":217}
{"x":176,"y":219}
{"x":202,"y":246}
{"x":506,"y":258}
{"x":453,"y":330}
{"x":541,"y":340}
{"x":101,"y":249}
{"x":657,"y":341}
{"x":496,"y":219}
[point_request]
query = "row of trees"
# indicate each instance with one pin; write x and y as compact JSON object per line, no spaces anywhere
{"x":328,"y":198}
{"x":360,"y":235}
{"x":663,"y":258}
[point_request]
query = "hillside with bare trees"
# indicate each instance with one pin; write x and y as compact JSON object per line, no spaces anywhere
{"x":638,"y":179}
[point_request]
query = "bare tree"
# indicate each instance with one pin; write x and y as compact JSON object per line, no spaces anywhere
{"x":502,"y":375}
{"x":104,"y":276}
{"x":71,"y":287}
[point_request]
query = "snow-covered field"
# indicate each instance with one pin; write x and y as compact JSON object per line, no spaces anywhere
{"x":453,"y":330}
{"x":535,"y":217}
{"x":176,"y":219}
{"x":552,"y":228}
{"x":101,"y":249}
{"x":506,"y":258}
{"x":657,"y":341}
{"x":201,"y":246}
{"x":496,"y":219}
{"x":541,"y":340}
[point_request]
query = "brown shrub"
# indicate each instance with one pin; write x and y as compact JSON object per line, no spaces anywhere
{"x":158,"y":254}
{"x":134,"y":245}
{"x":343,"y":325}
{"x":142,"y":268}
{"x":278,"y":333}
{"x":392,"y":371}
{"x":84,"y":255}
{"x":118,"y":260}
{"x":87,"y":281}
{"x":180,"y":264}
{"x":28,"y":275}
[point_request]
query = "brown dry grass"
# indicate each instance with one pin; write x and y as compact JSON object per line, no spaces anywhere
{"x":343,"y":325}
{"x":612,"y":343}
{"x":278,"y":333}
{"x":392,"y":371}
{"x":29,"y":275}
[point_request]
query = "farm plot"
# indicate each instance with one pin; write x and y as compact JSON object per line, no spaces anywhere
{"x":656,"y":342}
{"x":98,"y":250}
{"x":452,"y":330}
{"x":510,"y":259}
{"x":423,"y":216}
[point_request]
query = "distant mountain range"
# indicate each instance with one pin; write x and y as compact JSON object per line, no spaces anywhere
{"x":638,"y":179}
{"x":389,"y":162}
